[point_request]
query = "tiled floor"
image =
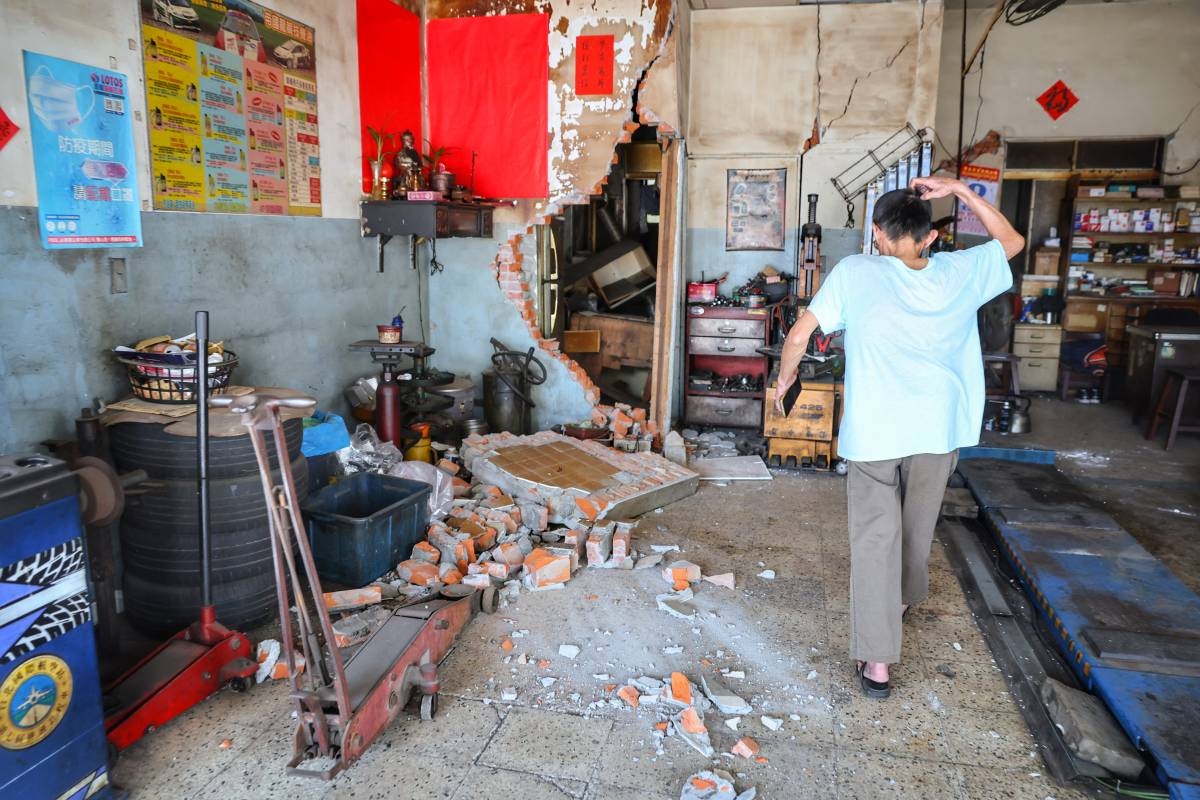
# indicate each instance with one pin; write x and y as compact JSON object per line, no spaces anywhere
{"x":937,"y":737}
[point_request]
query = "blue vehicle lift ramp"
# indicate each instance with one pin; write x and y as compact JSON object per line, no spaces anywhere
{"x":1127,"y":626}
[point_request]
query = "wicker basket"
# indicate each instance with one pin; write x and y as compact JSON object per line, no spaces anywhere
{"x":166,"y":380}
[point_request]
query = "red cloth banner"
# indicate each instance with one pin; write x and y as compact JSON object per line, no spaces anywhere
{"x":594,"y":65}
{"x":488,"y":93}
{"x":389,"y":73}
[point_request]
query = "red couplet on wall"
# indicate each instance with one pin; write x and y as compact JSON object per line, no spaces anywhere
{"x":594,"y":65}
{"x":488,"y":93}
{"x":389,"y":72}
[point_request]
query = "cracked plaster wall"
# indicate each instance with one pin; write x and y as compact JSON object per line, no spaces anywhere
{"x":486,"y":289}
{"x":1134,"y":66}
{"x":759,"y":81}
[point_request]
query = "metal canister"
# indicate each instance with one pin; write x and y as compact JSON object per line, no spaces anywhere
{"x":462,"y":391}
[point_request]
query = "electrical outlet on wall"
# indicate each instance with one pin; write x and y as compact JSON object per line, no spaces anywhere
{"x":119,"y":279}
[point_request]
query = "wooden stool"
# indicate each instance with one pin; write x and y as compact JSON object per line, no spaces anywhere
{"x":1174,"y":379}
{"x":1010,"y":379}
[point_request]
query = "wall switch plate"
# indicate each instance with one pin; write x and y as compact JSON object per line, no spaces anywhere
{"x":119,"y":279}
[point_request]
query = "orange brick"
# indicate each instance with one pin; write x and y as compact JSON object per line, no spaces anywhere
{"x":703,"y":784}
{"x":660,"y":726}
{"x":629,"y":695}
{"x":509,"y":553}
{"x":424,"y":551}
{"x":639,"y":415}
{"x":691,"y":721}
{"x":745,"y":747}
{"x":762,"y":760}
{"x":590,"y":509}
{"x":498,"y":569}
{"x":543,"y":568}
{"x":449,"y":574}
{"x":506,"y":644}
{"x":681,"y":690}
{"x":419,"y":573}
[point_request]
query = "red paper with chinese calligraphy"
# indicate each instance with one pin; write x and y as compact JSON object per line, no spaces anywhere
{"x":8,"y":129}
{"x":1057,"y":100}
{"x":594,"y":65}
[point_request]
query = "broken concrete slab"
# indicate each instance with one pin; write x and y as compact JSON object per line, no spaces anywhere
{"x":568,"y":651}
{"x":575,"y":478}
{"x":676,"y":604}
{"x":726,"y":701}
{"x":771,"y":723}
{"x":689,"y":726}
{"x":1089,"y":729}
{"x":646,"y":562}
{"x":725,"y":579}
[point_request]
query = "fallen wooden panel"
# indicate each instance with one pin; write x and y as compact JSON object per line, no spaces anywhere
{"x":736,"y":468}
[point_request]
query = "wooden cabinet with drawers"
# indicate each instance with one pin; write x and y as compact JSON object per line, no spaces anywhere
{"x":722,"y":343}
{"x":1037,"y":346}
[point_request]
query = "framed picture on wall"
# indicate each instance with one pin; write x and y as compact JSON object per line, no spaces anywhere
{"x":754,"y":212}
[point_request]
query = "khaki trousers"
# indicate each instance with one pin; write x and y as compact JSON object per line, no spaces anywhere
{"x":892,"y":507}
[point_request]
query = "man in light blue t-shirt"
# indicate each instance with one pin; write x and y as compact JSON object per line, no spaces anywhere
{"x":914,"y":394}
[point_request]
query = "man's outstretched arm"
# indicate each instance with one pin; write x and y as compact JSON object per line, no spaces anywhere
{"x":793,"y":351}
{"x":997,"y":226}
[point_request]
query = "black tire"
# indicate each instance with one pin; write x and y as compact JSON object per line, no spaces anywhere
{"x":174,"y":557}
{"x":234,"y":503}
{"x":138,"y":445}
{"x":162,"y":609}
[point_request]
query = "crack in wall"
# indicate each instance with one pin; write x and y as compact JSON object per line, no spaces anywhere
{"x":850,"y":96}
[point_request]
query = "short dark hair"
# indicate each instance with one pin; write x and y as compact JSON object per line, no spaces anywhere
{"x":901,"y":213}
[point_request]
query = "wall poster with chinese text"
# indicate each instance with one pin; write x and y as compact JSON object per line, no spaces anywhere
{"x":83,"y":155}
{"x":231,"y":95}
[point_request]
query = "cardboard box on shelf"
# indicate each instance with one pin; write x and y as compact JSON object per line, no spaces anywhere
{"x":1045,"y":261}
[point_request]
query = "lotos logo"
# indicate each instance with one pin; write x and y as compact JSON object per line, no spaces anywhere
{"x":108,"y":84}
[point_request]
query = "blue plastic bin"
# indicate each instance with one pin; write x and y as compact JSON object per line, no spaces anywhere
{"x":365,"y":524}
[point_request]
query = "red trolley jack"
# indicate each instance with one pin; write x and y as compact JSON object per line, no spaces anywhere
{"x":196,"y":662}
{"x":342,"y":704}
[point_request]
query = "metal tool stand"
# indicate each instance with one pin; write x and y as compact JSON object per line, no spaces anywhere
{"x":415,"y":401}
{"x":342,"y":704}
{"x":198,"y":661}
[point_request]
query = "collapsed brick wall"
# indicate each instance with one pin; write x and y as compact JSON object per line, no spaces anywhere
{"x":584,"y":131}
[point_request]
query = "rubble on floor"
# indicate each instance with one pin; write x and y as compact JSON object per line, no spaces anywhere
{"x":713,"y":785}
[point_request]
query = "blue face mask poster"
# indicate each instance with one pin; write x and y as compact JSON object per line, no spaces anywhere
{"x":83,"y":156}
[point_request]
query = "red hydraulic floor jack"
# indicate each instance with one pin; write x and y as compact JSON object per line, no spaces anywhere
{"x":342,"y":704}
{"x":196,"y":662}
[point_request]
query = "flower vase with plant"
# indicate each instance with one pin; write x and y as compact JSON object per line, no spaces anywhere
{"x":381,"y":165}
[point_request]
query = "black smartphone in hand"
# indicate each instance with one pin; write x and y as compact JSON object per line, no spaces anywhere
{"x":791,"y":396}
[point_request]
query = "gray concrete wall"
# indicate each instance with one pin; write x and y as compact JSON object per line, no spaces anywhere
{"x":764,"y":85}
{"x":287,"y":294}
{"x":467,"y":309}
{"x":1133,"y":66}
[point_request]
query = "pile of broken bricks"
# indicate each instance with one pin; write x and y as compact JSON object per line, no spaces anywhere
{"x":507,"y":531}
{"x":631,"y":430}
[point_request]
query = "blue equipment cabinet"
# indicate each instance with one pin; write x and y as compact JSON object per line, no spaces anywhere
{"x":52,"y":742}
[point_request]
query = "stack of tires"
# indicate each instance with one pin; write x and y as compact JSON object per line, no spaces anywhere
{"x":160,"y":529}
